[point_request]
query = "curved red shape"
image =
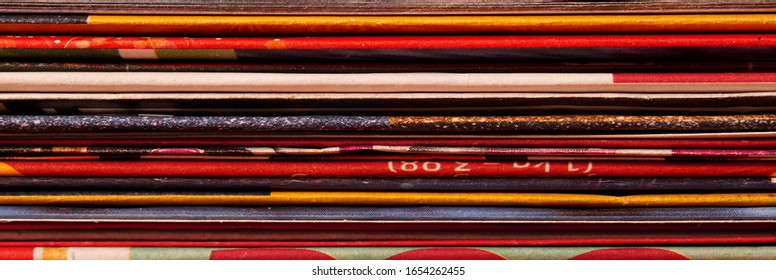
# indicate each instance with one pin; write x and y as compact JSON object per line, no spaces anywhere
{"x":269,"y":254}
{"x":447,"y":254}
{"x":631,"y":254}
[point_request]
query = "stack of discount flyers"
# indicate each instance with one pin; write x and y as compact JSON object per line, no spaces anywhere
{"x":387,"y":130}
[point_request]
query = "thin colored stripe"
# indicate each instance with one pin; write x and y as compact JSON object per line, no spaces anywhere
{"x":414,"y":198}
{"x":694,"y":78}
{"x":392,"y":42}
{"x":395,"y":24}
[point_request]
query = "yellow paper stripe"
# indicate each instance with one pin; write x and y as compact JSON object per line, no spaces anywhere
{"x":409,"y":198}
{"x":400,"y":24}
{"x":54,"y":253}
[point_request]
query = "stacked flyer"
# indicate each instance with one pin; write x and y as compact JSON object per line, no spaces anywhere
{"x":387,"y":130}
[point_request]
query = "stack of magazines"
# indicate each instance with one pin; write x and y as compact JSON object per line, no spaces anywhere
{"x":440,"y":130}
